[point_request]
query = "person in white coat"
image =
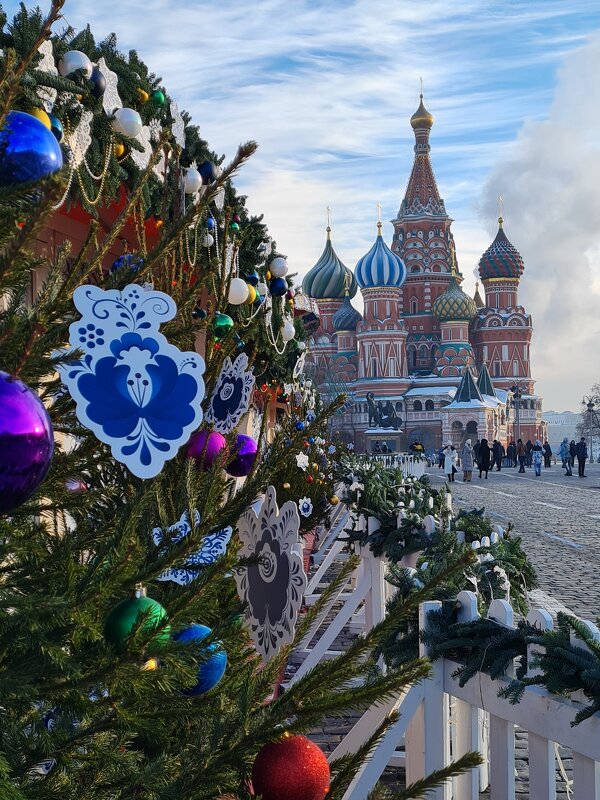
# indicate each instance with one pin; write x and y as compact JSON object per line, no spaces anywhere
{"x":450,"y":458}
{"x":466,"y":458}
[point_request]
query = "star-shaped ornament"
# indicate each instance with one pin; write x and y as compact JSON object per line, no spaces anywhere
{"x":178,"y":126}
{"x":302,"y":461}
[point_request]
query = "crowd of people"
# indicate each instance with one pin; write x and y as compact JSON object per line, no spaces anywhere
{"x":529,"y":454}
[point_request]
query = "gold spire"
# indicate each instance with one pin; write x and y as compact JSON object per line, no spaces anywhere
{"x":500,"y":210}
{"x":379,"y":225}
{"x":421,"y":118}
{"x":328,"y":228}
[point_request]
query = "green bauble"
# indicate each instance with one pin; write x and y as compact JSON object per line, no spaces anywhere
{"x":222,"y":325}
{"x":158,"y":97}
{"x":125,"y":616}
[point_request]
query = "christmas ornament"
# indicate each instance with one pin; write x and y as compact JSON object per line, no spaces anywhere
{"x":40,"y":114}
{"x":261,"y":288}
{"x":237,"y":218}
{"x":192,"y":181}
{"x":273,"y":585}
{"x":293,"y":769}
{"x":290,"y":294}
{"x":127,"y":122}
{"x":28,"y":150}
{"x":301,"y":346}
{"x":286,"y":486}
{"x":305,"y":506}
{"x":26,"y":443}
{"x":309,"y":479}
{"x":299,"y":425}
{"x":98,"y":82}
{"x":79,"y":140}
{"x":252,"y":295}
{"x":210,"y":223}
{"x":212,"y":547}
{"x":118,"y":149}
{"x":111,"y":100}
{"x":76,"y":486}
{"x":234,"y":227}
{"x":222,"y":325}
{"x":288,"y":331}
{"x":178,"y":126}
{"x":142,"y":95}
{"x":47,"y":94}
{"x":212,"y":668}
{"x":129,"y":261}
{"x":205,"y":447}
{"x":334,"y":500}
{"x":74,"y":60}
{"x":278,"y":287}
{"x":207,"y":240}
{"x":208,"y":171}
{"x":278,"y":267}
{"x":238,"y":292}
{"x":231,"y":397}
{"x":56,"y":127}
{"x":246,"y":450}
{"x":128,"y":614}
{"x":267,"y":275}
{"x":253,"y":278}
{"x":136,"y":392}
{"x":158,"y":97}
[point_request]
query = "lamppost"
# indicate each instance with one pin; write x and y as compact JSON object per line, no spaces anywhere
{"x":589,"y":404}
{"x":517,"y":394}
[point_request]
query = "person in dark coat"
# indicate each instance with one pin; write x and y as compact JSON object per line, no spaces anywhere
{"x":572,"y":452}
{"x":521,"y":455}
{"x":511,"y":452}
{"x":476,"y":447}
{"x":547,"y":454}
{"x":582,"y":454}
{"x":529,"y":448}
{"x":483,"y":460}
{"x":497,"y":455}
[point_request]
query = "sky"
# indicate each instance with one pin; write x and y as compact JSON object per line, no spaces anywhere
{"x":327,"y":90}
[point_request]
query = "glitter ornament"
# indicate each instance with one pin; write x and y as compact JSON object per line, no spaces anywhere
{"x":292,"y":769}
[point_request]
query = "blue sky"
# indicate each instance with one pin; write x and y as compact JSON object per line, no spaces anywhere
{"x":327,"y":89}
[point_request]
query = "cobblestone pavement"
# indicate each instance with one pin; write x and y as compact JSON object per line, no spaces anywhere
{"x":558,"y":519}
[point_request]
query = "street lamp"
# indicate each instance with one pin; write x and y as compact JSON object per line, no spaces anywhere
{"x":589,"y":404}
{"x":517,"y":394}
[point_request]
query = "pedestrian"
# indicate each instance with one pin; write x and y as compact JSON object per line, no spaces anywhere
{"x":572,"y":452}
{"x":483,"y":462}
{"x":450,"y":456}
{"x":537,"y":456}
{"x":377,"y":448}
{"x":521,"y":454}
{"x":529,"y":447}
{"x":476,"y":447}
{"x":511,"y":452}
{"x":441,"y":457}
{"x":581,"y":453}
{"x":496,"y":455}
{"x":547,"y":454}
{"x":565,"y":455}
{"x":466,"y":457}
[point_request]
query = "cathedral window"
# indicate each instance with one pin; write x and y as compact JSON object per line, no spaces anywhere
{"x":497,"y":369}
{"x":417,"y":405}
{"x":515,"y":368}
{"x":414,"y":305}
{"x":398,"y":406}
{"x":429,"y":405}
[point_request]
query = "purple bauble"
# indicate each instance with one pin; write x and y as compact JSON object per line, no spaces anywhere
{"x":213,"y":442}
{"x":26,"y":443}
{"x":246,"y":450}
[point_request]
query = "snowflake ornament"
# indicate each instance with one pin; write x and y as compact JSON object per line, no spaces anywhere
{"x":80,"y":139}
{"x":302,"y":461}
{"x":305,"y":506}
{"x":141,"y":158}
{"x":231,"y":397}
{"x":178,"y":126}
{"x":47,"y":64}
{"x":111,"y":100}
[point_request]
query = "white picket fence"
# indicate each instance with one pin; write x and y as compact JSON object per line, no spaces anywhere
{"x":440,"y":721}
{"x":410,"y":464}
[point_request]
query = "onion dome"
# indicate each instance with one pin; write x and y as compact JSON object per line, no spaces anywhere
{"x":501,"y":259}
{"x":477,"y":298}
{"x":421,"y":118}
{"x":380,"y":267}
{"x":454,"y":305}
{"x":346,"y":318}
{"x":328,"y":278}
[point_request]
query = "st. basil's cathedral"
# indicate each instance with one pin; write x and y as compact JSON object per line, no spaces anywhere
{"x":425,"y":361}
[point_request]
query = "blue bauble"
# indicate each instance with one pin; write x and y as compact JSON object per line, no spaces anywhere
{"x":253,"y":278}
{"x":210,"y":223}
{"x":299,"y":425}
{"x":213,"y":668}
{"x":259,"y":300}
{"x":98,"y":82}
{"x":209,"y":172}
{"x":311,"y":440}
{"x":278,"y":287}
{"x":28,"y":150}
{"x":129,"y":261}
{"x":56,"y":127}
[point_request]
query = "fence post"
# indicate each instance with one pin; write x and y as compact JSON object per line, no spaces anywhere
{"x":542,"y":762}
{"x":502,"y":733}
{"x":586,"y":771}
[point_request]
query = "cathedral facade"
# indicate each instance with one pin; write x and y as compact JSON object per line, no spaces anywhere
{"x":424,"y":361}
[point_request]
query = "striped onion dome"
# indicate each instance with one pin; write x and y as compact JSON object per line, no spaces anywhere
{"x":329,"y":276}
{"x":454,"y":305}
{"x":501,"y":259}
{"x":380,"y":267}
{"x":346,"y":318}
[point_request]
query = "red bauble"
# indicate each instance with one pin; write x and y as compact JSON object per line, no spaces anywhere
{"x":292,"y":769}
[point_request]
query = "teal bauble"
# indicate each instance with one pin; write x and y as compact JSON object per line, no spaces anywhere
{"x":222,"y":325}
{"x":125,"y":617}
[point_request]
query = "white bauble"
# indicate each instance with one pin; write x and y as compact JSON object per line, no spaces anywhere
{"x":74,"y":60}
{"x":192,"y":181}
{"x":288,"y":331}
{"x":207,"y":240}
{"x":127,"y":121}
{"x":261,"y":288}
{"x":278,"y":267}
{"x":238,"y":292}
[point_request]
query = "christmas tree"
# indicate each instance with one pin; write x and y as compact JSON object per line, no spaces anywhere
{"x":154,"y":428}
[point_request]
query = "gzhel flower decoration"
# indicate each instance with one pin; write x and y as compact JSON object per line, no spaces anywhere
{"x":305,"y":506}
{"x":272,"y":586}
{"x":302,"y":461}
{"x":212,"y":548}
{"x":310,"y":417}
{"x":136,"y":392}
{"x":231,"y":397}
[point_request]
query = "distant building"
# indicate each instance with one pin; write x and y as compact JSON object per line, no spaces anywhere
{"x":561,"y":424}
{"x":426,"y":361}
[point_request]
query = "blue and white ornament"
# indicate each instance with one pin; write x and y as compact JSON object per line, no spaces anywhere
{"x":305,"y":506}
{"x":232,"y":394}
{"x":136,"y":392}
{"x":212,"y":547}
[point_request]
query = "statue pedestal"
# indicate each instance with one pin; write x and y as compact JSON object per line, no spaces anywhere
{"x":393,"y":439}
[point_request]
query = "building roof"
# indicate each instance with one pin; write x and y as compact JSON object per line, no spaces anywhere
{"x":329,"y":278}
{"x":432,"y":391}
{"x":468,"y":395}
{"x":501,"y":259}
{"x":454,"y":305}
{"x":477,"y":298}
{"x":346,"y":318}
{"x":484,"y":382}
{"x":380,"y":267}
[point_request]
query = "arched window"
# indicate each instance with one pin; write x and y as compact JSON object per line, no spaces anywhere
{"x":429,"y":405}
{"x":423,"y":354}
{"x":398,"y":406}
{"x":412,"y":357}
{"x":417,"y":405}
